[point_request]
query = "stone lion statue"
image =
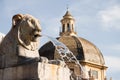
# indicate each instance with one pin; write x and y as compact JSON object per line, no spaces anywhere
{"x":21,"y":42}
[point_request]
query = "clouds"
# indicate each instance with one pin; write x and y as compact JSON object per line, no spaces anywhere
{"x":103,"y":14}
{"x":110,"y":17}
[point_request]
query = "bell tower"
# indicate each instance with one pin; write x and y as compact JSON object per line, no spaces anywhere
{"x":68,"y":25}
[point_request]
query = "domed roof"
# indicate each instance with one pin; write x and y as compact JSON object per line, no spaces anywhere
{"x":81,"y":48}
{"x":84,"y":50}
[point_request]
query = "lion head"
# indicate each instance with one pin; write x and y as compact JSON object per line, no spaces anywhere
{"x":28,"y":30}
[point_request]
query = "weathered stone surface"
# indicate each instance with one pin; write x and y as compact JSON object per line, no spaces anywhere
{"x":21,"y":43}
{"x":35,"y":71}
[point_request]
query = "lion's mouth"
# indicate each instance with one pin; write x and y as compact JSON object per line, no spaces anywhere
{"x":37,"y":35}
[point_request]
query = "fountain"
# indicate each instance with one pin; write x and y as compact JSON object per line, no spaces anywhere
{"x":19,"y":56}
{"x":67,"y":56}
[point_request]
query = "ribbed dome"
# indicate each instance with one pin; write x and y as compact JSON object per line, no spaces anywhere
{"x":81,"y":48}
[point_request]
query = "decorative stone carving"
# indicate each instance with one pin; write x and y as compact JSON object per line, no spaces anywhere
{"x":21,"y":43}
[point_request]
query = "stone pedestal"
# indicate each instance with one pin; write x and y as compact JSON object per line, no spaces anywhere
{"x":35,"y":71}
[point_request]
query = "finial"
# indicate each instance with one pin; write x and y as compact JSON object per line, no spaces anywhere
{"x":67,"y":7}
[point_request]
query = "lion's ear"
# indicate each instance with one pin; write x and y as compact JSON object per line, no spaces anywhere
{"x":16,"y":19}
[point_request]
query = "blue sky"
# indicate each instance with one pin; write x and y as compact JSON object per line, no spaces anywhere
{"x":96,"y":20}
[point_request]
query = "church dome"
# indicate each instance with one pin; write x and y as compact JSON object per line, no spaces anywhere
{"x":84,"y":50}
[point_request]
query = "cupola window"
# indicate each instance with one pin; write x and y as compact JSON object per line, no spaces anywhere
{"x":68,"y":27}
{"x":63,"y":30}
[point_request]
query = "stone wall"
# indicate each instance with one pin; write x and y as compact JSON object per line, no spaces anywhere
{"x":35,"y":71}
